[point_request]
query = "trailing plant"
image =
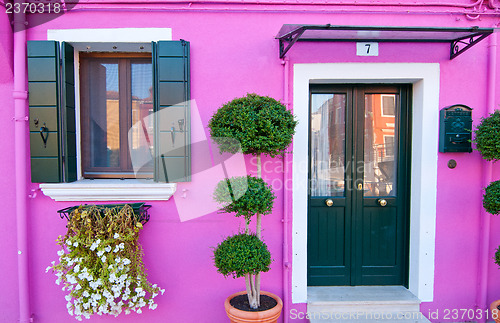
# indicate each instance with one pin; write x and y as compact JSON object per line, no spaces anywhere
{"x":256,"y":125}
{"x":245,"y":196}
{"x":487,"y":137}
{"x":100,"y":263}
{"x":260,"y":125}
{"x":491,"y":198}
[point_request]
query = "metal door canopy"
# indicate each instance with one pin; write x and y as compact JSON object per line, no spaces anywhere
{"x":460,"y":39}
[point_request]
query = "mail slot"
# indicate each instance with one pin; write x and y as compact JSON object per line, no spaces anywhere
{"x":455,"y":129}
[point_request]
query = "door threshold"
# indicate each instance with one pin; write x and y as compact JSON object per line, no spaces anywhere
{"x":350,"y":294}
{"x":363,"y":304}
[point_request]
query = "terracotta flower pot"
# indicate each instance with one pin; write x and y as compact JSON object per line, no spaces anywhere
{"x":238,"y":316}
{"x":495,"y":313}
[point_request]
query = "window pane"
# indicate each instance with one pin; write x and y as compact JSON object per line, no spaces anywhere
{"x":104,"y":114}
{"x":142,"y":140}
{"x":328,"y":144}
{"x":380,"y":149}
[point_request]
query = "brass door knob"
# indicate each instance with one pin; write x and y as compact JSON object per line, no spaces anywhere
{"x":329,"y":202}
{"x":382,"y":202}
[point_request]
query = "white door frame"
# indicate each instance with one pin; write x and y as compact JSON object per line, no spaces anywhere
{"x":424,"y":146}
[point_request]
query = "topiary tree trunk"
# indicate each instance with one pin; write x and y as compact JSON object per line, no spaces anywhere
{"x":252,"y":282}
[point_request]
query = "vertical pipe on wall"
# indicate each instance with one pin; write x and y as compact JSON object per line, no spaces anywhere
{"x":20,"y":97}
{"x":286,"y":201}
{"x":484,"y":258}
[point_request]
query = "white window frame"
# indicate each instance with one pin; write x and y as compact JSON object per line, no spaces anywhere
{"x":106,"y":189}
{"x":424,"y":144}
{"x":382,"y":105}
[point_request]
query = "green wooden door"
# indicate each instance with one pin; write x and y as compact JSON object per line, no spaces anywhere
{"x":359,"y":185}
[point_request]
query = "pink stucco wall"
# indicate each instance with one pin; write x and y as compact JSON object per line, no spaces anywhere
{"x":232,"y":53}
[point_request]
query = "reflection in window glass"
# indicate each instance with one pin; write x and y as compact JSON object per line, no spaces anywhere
{"x":104,"y":114}
{"x":379,"y":145}
{"x":142,"y":106}
{"x":327,"y":144}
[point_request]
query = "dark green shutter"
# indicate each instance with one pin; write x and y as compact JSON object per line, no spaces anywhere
{"x":68,"y":115}
{"x":48,"y":99}
{"x":173,"y":124}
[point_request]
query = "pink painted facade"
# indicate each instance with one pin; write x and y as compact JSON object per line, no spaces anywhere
{"x":234,"y":52}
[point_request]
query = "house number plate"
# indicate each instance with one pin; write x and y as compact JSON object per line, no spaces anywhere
{"x":367,"y":49}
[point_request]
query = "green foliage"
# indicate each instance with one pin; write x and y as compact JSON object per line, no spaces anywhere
{"x":245,"y":196}
{"x":242,"y":254}
{"x":487,"y":137}
{"x":497,"y":256}
{"x":259,"y":123}
{"x":491,"y":198}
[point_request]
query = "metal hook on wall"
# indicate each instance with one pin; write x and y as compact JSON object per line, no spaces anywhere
{"x":172,"y":132}
{"x":44,"y":133}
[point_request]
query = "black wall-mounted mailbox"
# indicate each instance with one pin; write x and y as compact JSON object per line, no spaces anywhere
{"x":455,"y":129}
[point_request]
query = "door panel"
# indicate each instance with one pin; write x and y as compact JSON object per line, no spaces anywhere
{"x":357,"y":220}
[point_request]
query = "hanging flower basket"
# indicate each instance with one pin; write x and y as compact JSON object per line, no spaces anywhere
{"x":100,"y":262}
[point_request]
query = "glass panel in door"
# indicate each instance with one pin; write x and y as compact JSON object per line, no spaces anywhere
{"x":328,"y":144}
{"x":380,"y":166}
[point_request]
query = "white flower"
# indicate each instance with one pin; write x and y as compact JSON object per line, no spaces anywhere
{"x":121,"y":245}
{"x":68,"y":298}
{"x":96,"y":297}
{"x":108,"y":249}
{"x":47,"y":269}
{"x":75,"y":244}
{"x":153,"y":306}
{"x":116,"y":235}
{"x":60,"y":253}
{"x":103,"y":258}
{"x":78,"y":287}
{"x":71,"y":279}
{"x":76,"y":268}
{"x":100,"y":253}
{"x":126,"y":261}
{"x":85,"y":294}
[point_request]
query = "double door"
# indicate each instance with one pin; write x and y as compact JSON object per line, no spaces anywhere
{"x":359,"y":166}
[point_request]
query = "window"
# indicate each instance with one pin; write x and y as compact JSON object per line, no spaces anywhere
{"x":116,"y":92}
{"x":388,"y":105}
{"x":389,"y":146}
{"x":133,"y":107}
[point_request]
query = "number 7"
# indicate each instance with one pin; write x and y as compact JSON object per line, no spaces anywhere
{"x":368,"y":48}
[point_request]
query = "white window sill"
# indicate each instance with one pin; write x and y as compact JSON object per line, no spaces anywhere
{"x":109,"y":190}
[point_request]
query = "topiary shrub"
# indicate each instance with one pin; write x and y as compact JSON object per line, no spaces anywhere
{"x":487,"y":137}
{"x":256,"y":125}
{"x":491,"y":198}
{"x":245,"y":196}
{"x":259,"y":123}
{"x":497,"y":256}
{"x":242,"y":254}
